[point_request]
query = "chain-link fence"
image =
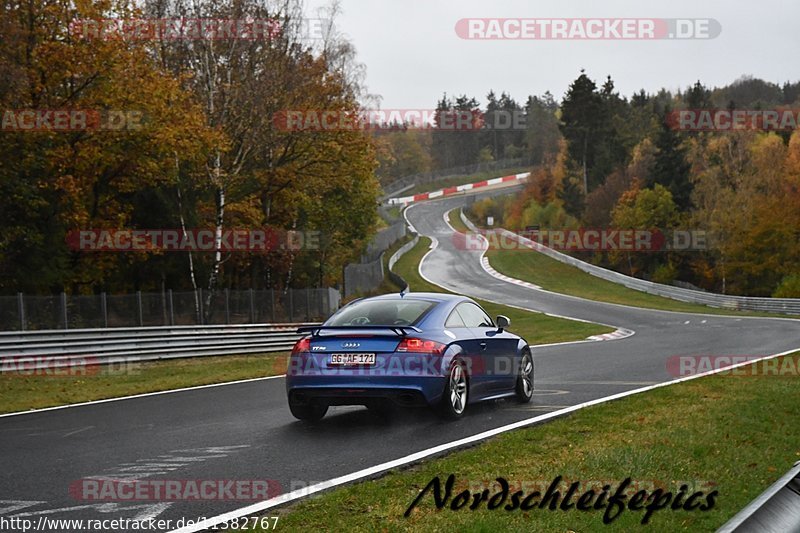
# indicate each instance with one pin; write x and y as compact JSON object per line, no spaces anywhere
{"x":169,"y":308}
{"x":367,"y":275}
{"x":360,"y":278}
{"x":384,"y":239}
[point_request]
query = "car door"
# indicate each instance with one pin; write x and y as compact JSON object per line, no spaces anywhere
{"x":473,"y":356}
{"x":498,"y":349}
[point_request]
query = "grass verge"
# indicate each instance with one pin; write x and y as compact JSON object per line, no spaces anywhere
{"x":730,"y":433}
{"x":555,"y":276}
{"x":536,"y":328}
{"x":454,"y":218}
{"x":20,"y":392}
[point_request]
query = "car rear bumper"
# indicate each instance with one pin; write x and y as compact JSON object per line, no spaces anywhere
{"x":423,"y":391}
{"x":365,"y":396}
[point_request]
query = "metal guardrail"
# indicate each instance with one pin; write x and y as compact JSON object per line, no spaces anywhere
{"x":776,"y":510}
{"x":396,"y":278}
{"x":722,"y":301}
{"x":44,"y":350}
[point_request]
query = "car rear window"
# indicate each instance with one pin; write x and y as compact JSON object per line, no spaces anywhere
{"x":381,"y":313}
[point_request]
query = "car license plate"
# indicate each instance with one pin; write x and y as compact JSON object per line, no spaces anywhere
{"x":352,"y":359}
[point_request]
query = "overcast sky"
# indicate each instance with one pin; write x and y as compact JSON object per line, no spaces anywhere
{"x":413,"y":54}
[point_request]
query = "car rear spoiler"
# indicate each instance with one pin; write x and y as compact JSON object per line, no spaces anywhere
{"x":401,"y":331}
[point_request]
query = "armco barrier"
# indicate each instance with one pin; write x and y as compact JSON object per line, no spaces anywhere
{"x":396,"y":278}
{"x":722,"y":301}
{"x":776,"y":510}
{"x":66,"y":348}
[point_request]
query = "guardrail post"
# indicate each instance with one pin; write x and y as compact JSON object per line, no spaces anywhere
{"x":201,"y":315}
{"x":252,"y":306}
{"x":227,"y":306}
{"x":104,"y":308}
{"x":64,"y":309}
{"x":344,"y":280}
{"x":171,"y":309}
{"x":21,"y":308}
{"x":139,"y":307}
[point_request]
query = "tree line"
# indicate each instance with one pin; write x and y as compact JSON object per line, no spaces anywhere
{"x":620,"y":162}
{"x":203,"y":154}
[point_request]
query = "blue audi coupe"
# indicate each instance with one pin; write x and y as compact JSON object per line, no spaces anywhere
{"x":408,"y":349}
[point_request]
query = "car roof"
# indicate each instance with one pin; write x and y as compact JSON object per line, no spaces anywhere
{"x":430,"y":296}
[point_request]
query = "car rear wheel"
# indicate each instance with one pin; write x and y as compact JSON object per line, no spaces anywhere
{"x":456,"y":392}
{"x":524,"y":390}
{"x":309,"y":412}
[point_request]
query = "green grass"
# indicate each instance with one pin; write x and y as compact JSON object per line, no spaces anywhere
{"x":536,"y":328}
{"x":728,"y":433}
{"x":552,"y":275}
{"x":555,"y":276}
{"x":454,"y":218}
{"x":20,"y":392}
{"x":461,"y":179}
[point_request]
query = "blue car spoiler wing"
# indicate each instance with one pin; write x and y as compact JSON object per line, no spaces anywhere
{"x":401,"y":331}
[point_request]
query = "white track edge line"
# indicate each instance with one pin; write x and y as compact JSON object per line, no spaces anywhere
{"x":624,"y":332}
{"x":372,"y":470}
{"x":142,"y":395}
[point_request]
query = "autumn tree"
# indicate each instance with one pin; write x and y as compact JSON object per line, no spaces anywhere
{"x":670,"y":167}
{"x":92,"y":176}
{"x":644,"y":209}
{"x":542,"y":135}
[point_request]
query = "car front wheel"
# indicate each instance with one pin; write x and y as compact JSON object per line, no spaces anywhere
{"x":524,"y":390}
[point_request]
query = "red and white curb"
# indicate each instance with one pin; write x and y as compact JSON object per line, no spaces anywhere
{"x":494,"y":273}
{"x":405,"y":200}
{"x":621,"y":333}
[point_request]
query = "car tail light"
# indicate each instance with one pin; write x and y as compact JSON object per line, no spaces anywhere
{"x":303,"y":345}
{"x":415,"y":345}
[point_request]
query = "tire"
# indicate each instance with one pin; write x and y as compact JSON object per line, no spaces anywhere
{"x":456,"y":392}
{"x":524,"y":389}
{"x":309,"y":412}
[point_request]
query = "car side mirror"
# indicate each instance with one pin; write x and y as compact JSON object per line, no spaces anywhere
{"x":503,"y":322}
